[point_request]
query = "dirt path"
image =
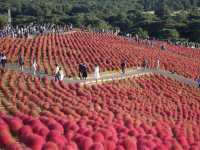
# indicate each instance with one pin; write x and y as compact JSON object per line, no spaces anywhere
{"x":109,"y":76}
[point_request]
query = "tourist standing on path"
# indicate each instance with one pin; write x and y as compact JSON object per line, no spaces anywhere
{"x":34,"y":66}
{"x":145,"y":63}
{"x":198,"y":81}
{"x":84,"y":73}
{"x":96,"y":72}
{"x":158,"y":63}
{"x":3,"y":60}
{"x":162,"y":48}
{"x":123,"y":67}
{"x":60,"y":74}
{"x":81,"y":71}
{"x":21,"y":62}
{"x":57,"y":73}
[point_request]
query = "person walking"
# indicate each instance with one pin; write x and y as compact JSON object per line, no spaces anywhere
{"x":57,"y":68}
{"x":84,"y":73}
{"x":61,"y":74}
{"x":1,"y":55}
{"x":3,"y":60}
{"x":198,"y":82}
{"x":34,"y":66}
{"x":81,"y":71}
{"x":96,"y":72}
{"x":21,"y":62}
{"x":145,"y":63}
{"x":158,"y":63}
{"x":123,"y":67}
{"x":57,"y":73}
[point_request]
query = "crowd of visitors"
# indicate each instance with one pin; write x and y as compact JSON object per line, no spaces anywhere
{"x":187,"y":44}
{"x":59,"y":74}
{"x":34,"y":29}
{"x":25,"y":31}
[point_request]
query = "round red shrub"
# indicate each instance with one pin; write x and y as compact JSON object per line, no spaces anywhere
{"x":97,"y":146}
{"x":130,"y":144}
{"x":14,"y":146}
{"x":109,"y":145}
{"x":35,"y":141}
{"x":50,"y":146}
{"x":15,"y":124}
{"x":98,"y":137}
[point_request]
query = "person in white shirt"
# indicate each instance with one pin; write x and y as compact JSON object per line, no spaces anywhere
{"x":158,"y":63}
{"x":34,"y":66}
{"x":57,"y":69}
{"x":61,"y":74}
{"x":96,"y":72}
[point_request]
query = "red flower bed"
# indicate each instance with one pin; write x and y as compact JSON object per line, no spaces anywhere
{"x":149,"y":112}
{"x":69,"y":50}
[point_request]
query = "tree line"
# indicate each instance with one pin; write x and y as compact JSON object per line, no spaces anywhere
{"x":163,"y":19}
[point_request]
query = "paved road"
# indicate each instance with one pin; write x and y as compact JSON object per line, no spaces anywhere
{"x":109,"y":76}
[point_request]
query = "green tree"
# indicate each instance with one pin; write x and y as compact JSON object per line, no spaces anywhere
{"x":140,"y":32}
{"x":194,"y":31}
{"x":168,"y":33}
{"x":162,"y":9}
{"x":3,"y":20}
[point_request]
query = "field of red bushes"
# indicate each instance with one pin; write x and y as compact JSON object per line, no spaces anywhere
{"x":106,"y":50}
{"x":150,"y":112}
{"x":146,"y":113}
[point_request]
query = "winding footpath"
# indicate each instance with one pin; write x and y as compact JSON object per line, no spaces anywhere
{"x":110,"y":76}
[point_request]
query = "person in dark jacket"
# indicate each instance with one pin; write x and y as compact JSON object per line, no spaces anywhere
{"x":123,"y":66}
{"x":21,"y":62}
{"x":198,"y":81}
{"x":1,"y":56}
{"x":3,"y":60}
{"x":81,"y":71}
{"x":84,"y":71}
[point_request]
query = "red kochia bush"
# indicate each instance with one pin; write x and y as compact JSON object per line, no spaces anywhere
{"x":5,"y":138}
{"x":43,"y":132}
{"x":86,"y":143}
{"x":35,"y":141}
{"x":55,"y":136}
{"x":98,"y":137}
{"x":71,"y":146}
{"x":14,"y":146}
{"x":15,"y":124}
{"x":69,"y":135}
{"x":50,"y":146}
{"x":25,"y":131}
{"x":3,"y":126}
{"x":109,"y":145}
{"x":130,"y":144}
{"x":97,"y":146}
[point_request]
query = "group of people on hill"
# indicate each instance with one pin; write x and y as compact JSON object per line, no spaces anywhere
{"x":83,"y":74}
{"x":21,"y":64}
{"x":188,"y":44}
{"x":33,"y":29}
